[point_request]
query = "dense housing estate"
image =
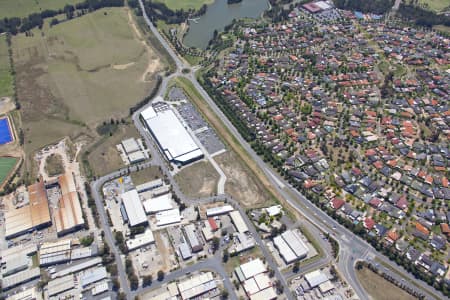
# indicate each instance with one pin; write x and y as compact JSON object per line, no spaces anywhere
{"x":355,"y":114}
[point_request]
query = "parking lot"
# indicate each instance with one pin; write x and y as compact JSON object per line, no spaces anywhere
{"x":200,"y":127}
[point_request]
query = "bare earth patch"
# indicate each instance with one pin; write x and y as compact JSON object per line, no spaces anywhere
{"x":241,"y":185}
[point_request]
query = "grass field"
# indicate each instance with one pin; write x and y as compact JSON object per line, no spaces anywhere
{"x":198,"y":180}
{"x":22,"y":8}
{"x":380,"y":289}
{"x":6,"y":78}
{"x":185,"y":4}
{"x":105,"y":158}
{"x":436,"y":5}
{"x":6,"y":166}
{"x":146,"y":175}
{"x":76,"y":74}
{"x":54,"y":165}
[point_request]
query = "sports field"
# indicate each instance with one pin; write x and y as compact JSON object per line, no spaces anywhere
{"x":6,"y":78}
{"x":22,"y":8}
{"x":80,"y":73}
{"x":436,"y":5}
{"x":185,"y":4}
{"x":6,"y":165}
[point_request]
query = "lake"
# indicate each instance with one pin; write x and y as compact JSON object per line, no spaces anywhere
{"x":217,"y":16}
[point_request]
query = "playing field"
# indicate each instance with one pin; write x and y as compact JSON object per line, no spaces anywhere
{"x":6,"y":165}
{"x":22,"y":8}
{"x":436,"y":5}
{"x":185,"y":4}
{"x":79,"y":73}
{"x":6,"y":79}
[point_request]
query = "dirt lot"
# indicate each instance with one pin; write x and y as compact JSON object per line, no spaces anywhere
{"x":380,"y":289}
{"x":74,"y":75}
{"x":146,"y":175}
{"x":104,"y":157}
{"x":198,"y":180}
{"x":241,"y":185}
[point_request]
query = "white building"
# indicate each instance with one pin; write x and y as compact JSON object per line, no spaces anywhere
{"x":133,"y":207}
{"x":168,"y":217}
{"x":157,"y":204}
{"x":238,"y":221}
{"x":141,"y":240}
{"x":171,"y":135}
{"x":291,"y":246}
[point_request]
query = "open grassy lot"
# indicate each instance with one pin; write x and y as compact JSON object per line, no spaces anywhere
{"x":104,"y":157}
{"x":436,"y":5}
{"x":6,"y":78}
{"x":22,"y":8}
{"x":380,"y":289}
{"x":146,"y":175}
{"x":198,"y":180}
{"x":74,"y":75}
{"x":6,"y":166}
{"x":185,"y":4}
{"x":54,"y":165}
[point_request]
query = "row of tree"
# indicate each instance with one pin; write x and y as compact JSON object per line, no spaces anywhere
{"x":15,"y":25}
{"x":159,"y":11}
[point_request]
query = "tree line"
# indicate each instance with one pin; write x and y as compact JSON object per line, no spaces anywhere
{"x":160,"y":11}
{"x":15,"y":25}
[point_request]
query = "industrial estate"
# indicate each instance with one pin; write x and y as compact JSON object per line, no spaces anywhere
{"x":301,"y":153}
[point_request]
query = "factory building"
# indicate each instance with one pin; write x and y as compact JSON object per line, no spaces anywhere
{"x":60,"y":285}
{"x":171,"y":135}
{"x":141,"y":240}
{"x":219,"y":210}
{"x":19,"y":278}
{"x":168,"y":217}
{"x":93,"y":275}
{"x":133,"y":207}
{"x":148,"y":186}
{"x":253,"y":277}
{"x":31,"y":293}
{"x":31,"y":217}
{"x":238,"y":221}
{"x":315,"y":278}
{"x":68,"y":215}
{"x":192,"y":238}
{"x":157,"y":204}
{"x":291,"y":246}
{"x":51,"y":253}
{"x":196,"y":286}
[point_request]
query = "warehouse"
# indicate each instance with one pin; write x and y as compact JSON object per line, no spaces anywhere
{"x":36,"y":215}
{"x":148,"y":186}
{"x":197,"y":286}
{"x":291,"y":246}
{"x":133,"y":207}
{"x":219,"y":210}
{"x":250,"y":269}
{"x":51,"y":253}
{"x":315,"y":278}
{"x":19,"y":278}
{"x":93,"y":275}
{"x":31,"y":293}
{"x":78,"y":267}
{"x":171,"y":135}
{"x":60,"y":285}
{"x":158,"y":204}
{"x":192,"y":238}
{"x":140,"y":240}
{"x":238,"y":221}
{"x":68,"y":215}
{"x":168,"y":217}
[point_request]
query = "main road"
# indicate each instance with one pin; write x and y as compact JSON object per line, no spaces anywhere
{"x":352,"y":248}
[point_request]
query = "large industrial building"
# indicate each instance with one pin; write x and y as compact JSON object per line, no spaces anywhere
{"x":192,"y":238}
{"x":171,"y":135}
{"x":133,"y":207}
{"x":68,"y":216}
{"x":238,"y":221}
{"x":257,"y":284}
{"x":291,"y":246}
{"x":36,"y":215}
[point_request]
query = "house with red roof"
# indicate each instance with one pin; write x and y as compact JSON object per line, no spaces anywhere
{"x":337,"y":203}
{"x":369,"y":223}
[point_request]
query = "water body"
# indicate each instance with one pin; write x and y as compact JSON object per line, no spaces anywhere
{"x":217,"y":16}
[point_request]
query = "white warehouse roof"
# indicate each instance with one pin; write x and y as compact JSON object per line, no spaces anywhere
{"x":238,"y":221}
{"x":253,"y":268}
{"x":158,"y":204}
{"x":171,"y":135}
{"x":295,"y":242}
{"x":220,"y":210}
{"x":315,"y":278}
{"x":168,"y":217}
{"x":140,"y":240}
{"x":285,"y":251}
{"x":133,"y":206}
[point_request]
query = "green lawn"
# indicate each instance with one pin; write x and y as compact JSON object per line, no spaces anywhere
{"x":436,"y":5}
{"x":6,"y":165}
{"x":184,"y":4}
{"x":6,"y":78}
{"x":22,"y":8}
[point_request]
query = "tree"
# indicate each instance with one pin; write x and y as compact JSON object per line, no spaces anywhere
{"x":224,"y":294}
{"x":160,"y":275}
{"x":134,"y":281}
{"x":147,"y":280}
{"x":296,"y":267}
{"x":225,"y":255}
{"x":215,"y":243}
